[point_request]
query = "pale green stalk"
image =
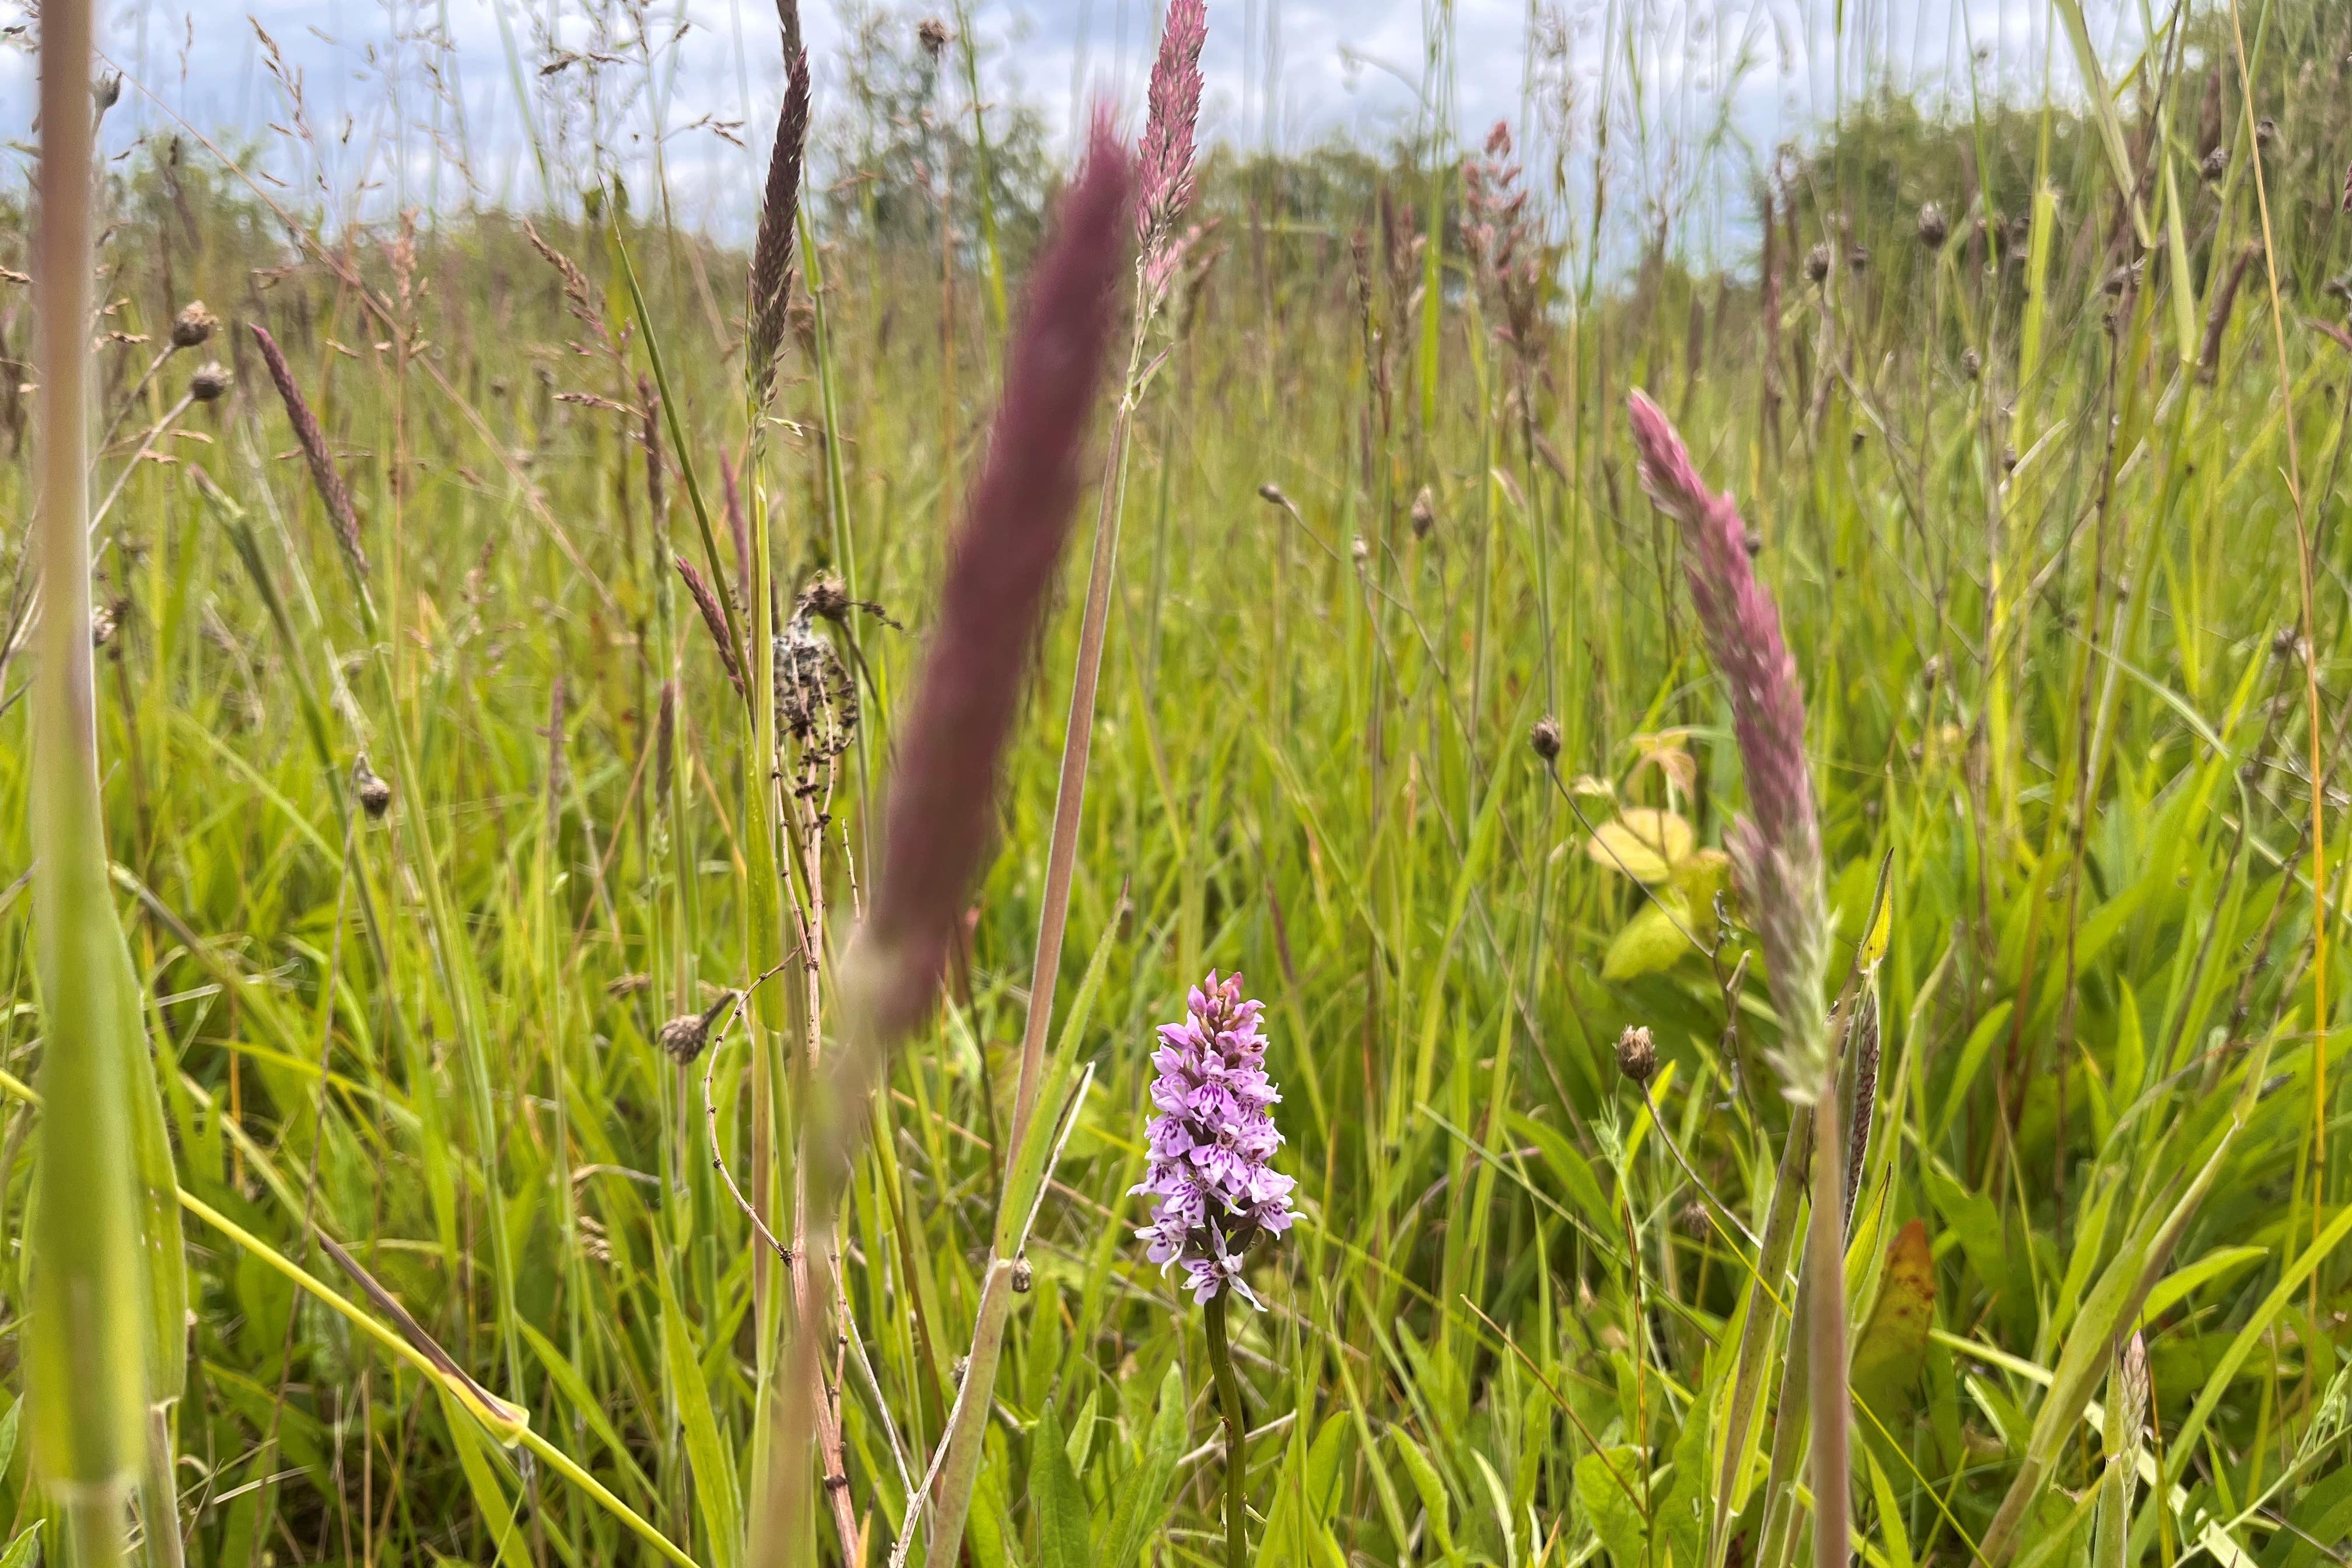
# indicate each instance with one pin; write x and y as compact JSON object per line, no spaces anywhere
{"x":85,"y":1369}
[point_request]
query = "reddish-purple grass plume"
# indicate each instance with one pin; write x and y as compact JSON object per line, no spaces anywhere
{"x":1000,"y":570}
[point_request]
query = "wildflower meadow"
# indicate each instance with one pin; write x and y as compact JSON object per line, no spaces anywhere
{"x":1138,"y":835}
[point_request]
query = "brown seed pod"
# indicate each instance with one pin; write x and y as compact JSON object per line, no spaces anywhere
{"x":1934,"y":227}
{"x":1424,"y":513}
{"x":374,"y":793}
{"x":1817,"y":263}
{"x":211,"y":381}
{"x":1637,"y":1054}
{"x":1544,"y":738}
{"x":193,"y":325}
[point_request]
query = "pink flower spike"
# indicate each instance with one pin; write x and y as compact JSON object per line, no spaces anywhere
{"x":1777,"y":855}
{"x":1174,"y":116}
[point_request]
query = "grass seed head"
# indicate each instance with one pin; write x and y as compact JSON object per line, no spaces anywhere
{"x":1001,"y":570}
{"x":1775,"y":851}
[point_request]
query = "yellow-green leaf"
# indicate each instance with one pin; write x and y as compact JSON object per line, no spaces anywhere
{"x":1644,"y":843}
{"x":1888,"y":1357}
{"x":1652,"y":941}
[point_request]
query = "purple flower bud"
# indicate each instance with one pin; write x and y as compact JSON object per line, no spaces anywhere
{"x":1213,"y":1188}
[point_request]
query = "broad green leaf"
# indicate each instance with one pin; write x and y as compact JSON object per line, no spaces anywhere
{"x":1064,"y":1540}
{"x":1601,"y":1486}
{"x":1425,"y":1482}
{"x":1136,"y":1518}
{"x":1681,"y":1512}
{"x":718,"y":1492}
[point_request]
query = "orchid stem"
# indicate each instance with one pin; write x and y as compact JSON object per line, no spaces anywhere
{"x":1229,"y":1396}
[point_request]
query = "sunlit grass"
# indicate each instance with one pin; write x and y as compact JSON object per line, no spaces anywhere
{"x":2045,"y":584}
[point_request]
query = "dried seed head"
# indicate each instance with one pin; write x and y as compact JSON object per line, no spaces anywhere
{"x":683,"y":1038}
{"x":1544,"y":739}
{"x":1025,"y":1279}
{"x":827,"y":599}
{"x":2287,"y":643}
{"x":932,"y":34}
{"x":193,"y":325}
{"x":2008,"y":459}
{"x":1271,"y":493}
{"x":1971,"y":364}
{"x":1858,"y":259}
{"x":1817,"y":263}
{"x":1360,"y":548}
{"x":1934,"y":227}
{"x":2215,"y":165}
{"x":2265,"y":132}
{"x":1637,"y":1054}
{"x":374,"y":793}
{"x":211,"y":381}
{"x":1424,"y":513}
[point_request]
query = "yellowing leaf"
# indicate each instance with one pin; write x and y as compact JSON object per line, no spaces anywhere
{"x":1664,"y":753}
{"x":1699,"y":878}
{"x":1886,"y":1358}
{"x":1644,"y":843}
{"x":1650,"y":941}
{"x":1873,"y":946}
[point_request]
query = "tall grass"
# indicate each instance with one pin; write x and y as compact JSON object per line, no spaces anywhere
{"x":2047,"y":493}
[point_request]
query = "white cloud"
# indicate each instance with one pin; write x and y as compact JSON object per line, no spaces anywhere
{"x":1284,"y":71}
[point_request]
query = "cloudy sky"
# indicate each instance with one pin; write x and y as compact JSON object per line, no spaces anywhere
{"x":376,"y":92}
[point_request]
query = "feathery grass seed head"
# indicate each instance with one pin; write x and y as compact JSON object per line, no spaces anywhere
{"x":1001,"y":568}
{"x":1776,"y":852}
{"x":1165,"y":160}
